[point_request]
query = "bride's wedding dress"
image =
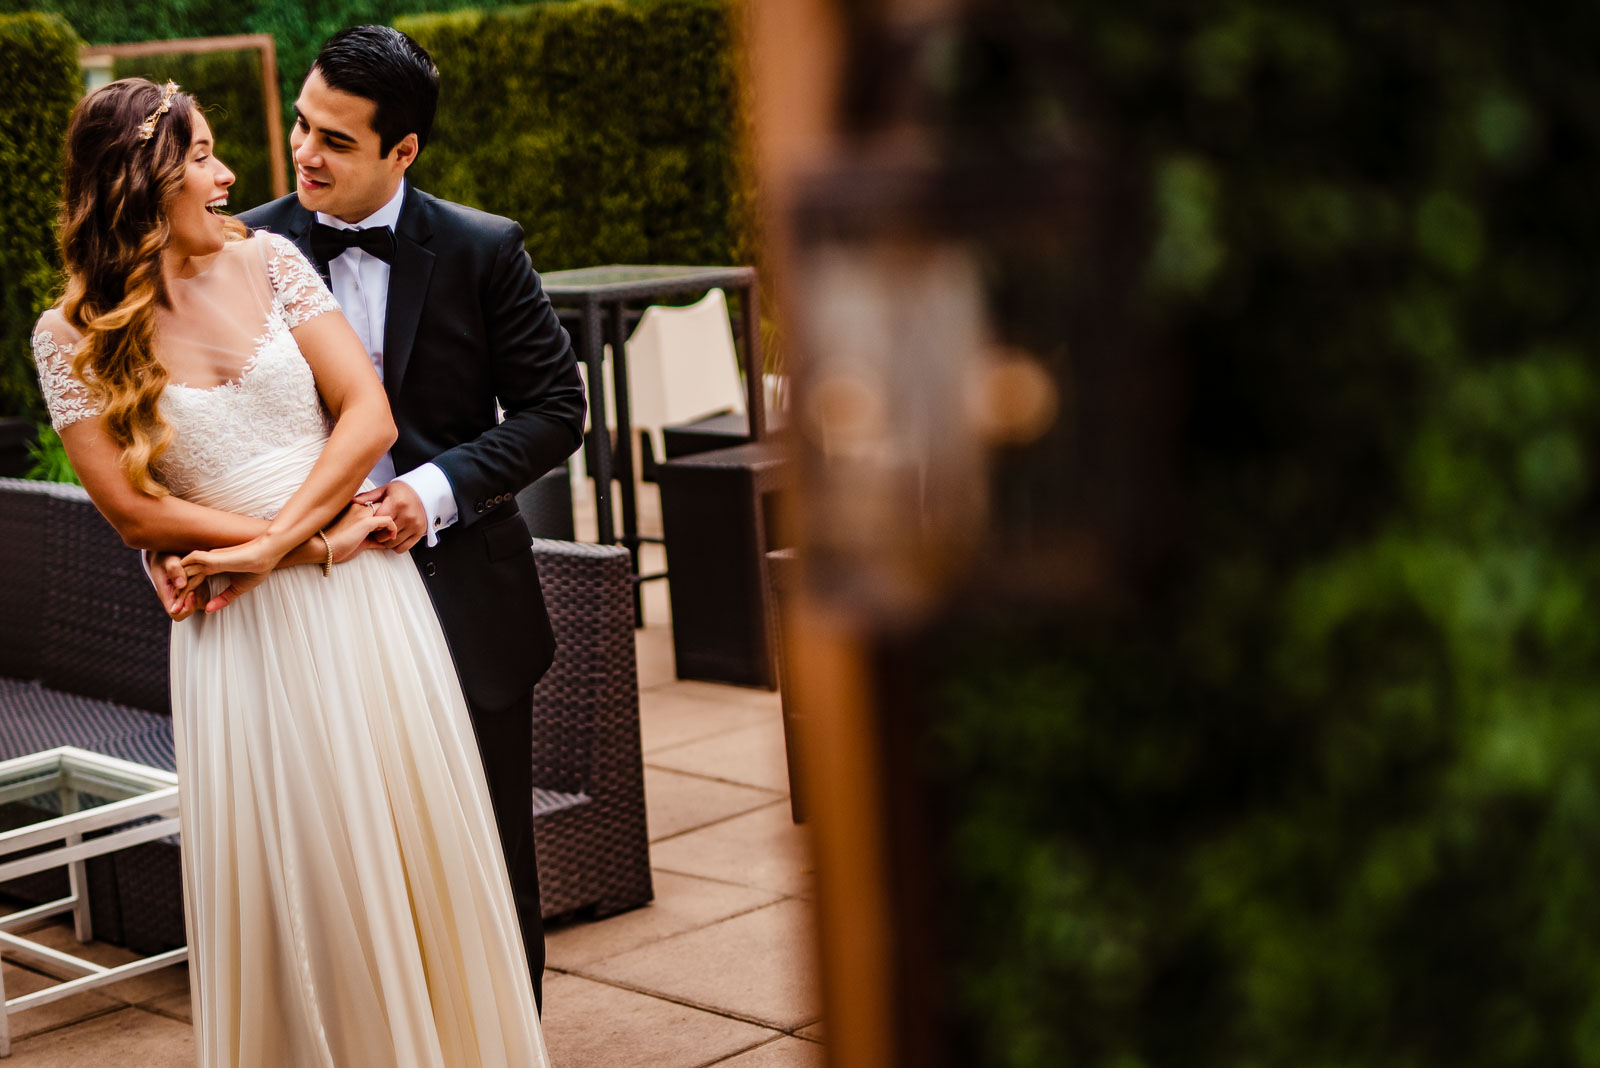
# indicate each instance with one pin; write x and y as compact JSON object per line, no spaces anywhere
{"x":347,"y":901}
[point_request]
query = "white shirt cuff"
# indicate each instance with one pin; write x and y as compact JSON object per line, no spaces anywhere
{"x":438,"y":499}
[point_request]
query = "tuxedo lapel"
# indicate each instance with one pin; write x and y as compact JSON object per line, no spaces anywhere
{"x":298,"y":230}
{"x":408,"y":287}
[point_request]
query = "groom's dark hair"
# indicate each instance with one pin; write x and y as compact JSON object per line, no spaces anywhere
{"x":383,"y":65}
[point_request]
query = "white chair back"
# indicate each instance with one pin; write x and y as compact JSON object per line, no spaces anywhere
{"x":682,"y":366}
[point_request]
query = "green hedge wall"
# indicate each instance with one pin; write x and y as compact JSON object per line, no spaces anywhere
{"x":1329,"y":795}
{"x":610,"y":130}
{"x":228,"y":86}
{"x":39,"y":69}
{"x":298,"y":28}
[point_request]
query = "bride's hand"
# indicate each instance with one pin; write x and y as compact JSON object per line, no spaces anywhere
{"x":352,"y":532}
{"x":254,"y":557}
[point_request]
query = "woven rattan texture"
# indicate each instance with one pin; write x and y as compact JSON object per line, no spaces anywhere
{"x":22,"y":594}
{"x":34,"y":717}
{"x":546,"y":505}
{"x":95,"y":626}
{"x":593,"y":855}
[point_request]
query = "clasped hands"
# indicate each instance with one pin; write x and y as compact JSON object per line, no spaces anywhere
{"x":390,"y":517}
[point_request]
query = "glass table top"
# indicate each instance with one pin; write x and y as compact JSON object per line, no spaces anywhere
{"x":63,"y":781}
{"x":624,"y":278}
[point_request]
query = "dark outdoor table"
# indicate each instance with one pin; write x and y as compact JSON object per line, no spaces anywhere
{"x":597,"y":293}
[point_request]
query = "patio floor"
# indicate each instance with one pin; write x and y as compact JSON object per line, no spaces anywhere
{"x":717,"y":970}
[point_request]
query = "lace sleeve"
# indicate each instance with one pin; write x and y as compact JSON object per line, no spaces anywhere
{"x":65,"y":395}
{"x":298,"y":290}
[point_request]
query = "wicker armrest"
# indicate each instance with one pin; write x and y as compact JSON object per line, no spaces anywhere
{"x":593,"y":855}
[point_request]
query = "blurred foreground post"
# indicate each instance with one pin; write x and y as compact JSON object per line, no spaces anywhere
{"x":1198,"y":412}
{"x":982,"y":444}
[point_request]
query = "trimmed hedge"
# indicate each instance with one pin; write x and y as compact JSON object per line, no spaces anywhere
{"x":39,"y":68}
{"x":228,"y":86}
{"x":610,"y":130}
{"x":1329,"y":794}
{"x":297,"y":27}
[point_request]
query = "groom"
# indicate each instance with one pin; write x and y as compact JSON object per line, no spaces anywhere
{"x":455,"y":320}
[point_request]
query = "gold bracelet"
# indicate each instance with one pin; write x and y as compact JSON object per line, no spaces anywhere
{"x":327,"y":565}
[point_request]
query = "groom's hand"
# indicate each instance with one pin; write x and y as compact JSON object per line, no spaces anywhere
{"x":399,"y":502}
{"x":179,"y":597}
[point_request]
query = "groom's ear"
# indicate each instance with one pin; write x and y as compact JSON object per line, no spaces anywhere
{"x":405,"y":151}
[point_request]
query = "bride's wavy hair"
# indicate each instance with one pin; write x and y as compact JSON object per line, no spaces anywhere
{"x":114,"y":228}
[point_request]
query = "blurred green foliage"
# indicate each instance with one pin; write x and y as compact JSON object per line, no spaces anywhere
{"x":228,"y":87}
{"x":611,"y":130}
{"x":49,"y":456}
{"x":1330,"y":795}
{"x":39,"y":68}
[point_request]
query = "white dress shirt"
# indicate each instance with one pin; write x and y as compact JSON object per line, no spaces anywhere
{"x":360,"y":283}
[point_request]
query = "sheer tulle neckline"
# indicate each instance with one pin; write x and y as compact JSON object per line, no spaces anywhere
{"x":257,"y":344}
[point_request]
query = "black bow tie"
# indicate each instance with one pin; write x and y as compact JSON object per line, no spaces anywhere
{"x":328,"y":242}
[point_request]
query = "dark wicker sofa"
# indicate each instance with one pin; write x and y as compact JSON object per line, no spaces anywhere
{"x":83,"y":661}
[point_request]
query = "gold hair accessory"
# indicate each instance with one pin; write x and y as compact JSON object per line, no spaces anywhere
{"x":148,"y":130}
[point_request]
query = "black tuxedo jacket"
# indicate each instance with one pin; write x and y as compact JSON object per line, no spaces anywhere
{"x":468,"y":324}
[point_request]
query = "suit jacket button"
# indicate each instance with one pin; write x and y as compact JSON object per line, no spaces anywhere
{"x":428,"y":569}
{"x":480,"y":506}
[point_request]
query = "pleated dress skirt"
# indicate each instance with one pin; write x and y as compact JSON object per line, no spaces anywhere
{"x":347,"y":902}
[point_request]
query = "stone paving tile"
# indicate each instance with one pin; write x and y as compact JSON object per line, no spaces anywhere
{"x":178,"y":1006}
{"x":720,"y":693}
{"x":682,"y":903}
{"x":592,"y":1025}
{"x":667,"y":718}
{"x":786,"y":1052}
{"x":656,"y":596}
{"x":753,"y":756}
{"x":653,"y":649}
{"x":764,"y":848}
{"x":759,"y":965}
{"x":21,"y":980}
{"x":675,"y":802}
{"x":127,"y":1038}
{"x":139,"y":989}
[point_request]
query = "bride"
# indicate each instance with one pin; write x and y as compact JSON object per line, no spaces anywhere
{"x":346,"y":898}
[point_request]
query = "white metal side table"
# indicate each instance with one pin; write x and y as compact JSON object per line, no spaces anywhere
{"x":74,"y":792}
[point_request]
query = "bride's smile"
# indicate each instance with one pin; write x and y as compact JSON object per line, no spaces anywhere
{"x":193,"y":211}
